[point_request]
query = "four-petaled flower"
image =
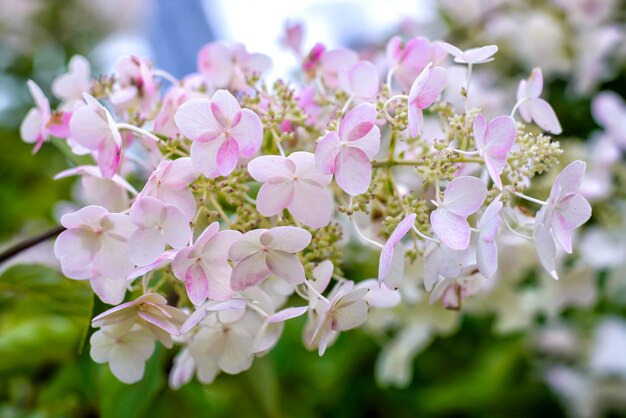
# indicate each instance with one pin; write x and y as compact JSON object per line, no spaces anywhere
{"x":564,"y":211}
{"x":158,"y":224}
{"x":261,"y":252}
{"x":462,"y":197}
{"x":222,"y":132}
{"x":204,"y":266}
{"x":347,"y":153}
{"x":293,"y":183}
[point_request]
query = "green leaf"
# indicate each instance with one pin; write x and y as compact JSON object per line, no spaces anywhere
{"x":44,"y":317}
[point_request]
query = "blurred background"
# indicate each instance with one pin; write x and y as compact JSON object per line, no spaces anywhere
{"x":521,"y":361}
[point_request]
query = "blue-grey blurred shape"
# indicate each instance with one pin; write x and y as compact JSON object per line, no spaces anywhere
{"x":178,"y":29}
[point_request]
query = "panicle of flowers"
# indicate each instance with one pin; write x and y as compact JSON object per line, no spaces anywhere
{"x":235,"y":199}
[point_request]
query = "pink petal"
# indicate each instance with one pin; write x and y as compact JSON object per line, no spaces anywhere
{"x":227,"y":157}
{"x":225,"y":108}
{"x":453,"y":230}
{"x":30,"y":129}
{"x":272,"y":199}
{"x":451,"y":49}
{"x":544,"y":116}
{"x":362,"y":80}
{"x":464,"y":195}
{"x":534,"y":84}
{"x":109,"y":157}
{"x":218,"y":275}
{"x":358,"y":122}
{"x":248,"y":133}
{"x":416,"y":120}
{"x":147,"y":212}
{"x":369,"y":144}
{"x":249,"y":272}
{"x":569,"y":179}
{"x":353,"y":171}
{"x":574,"y":209}
{"x":195,"y":120}
{"x":217,"y":249}
{"x":326,"y":152}
{"x":146,"y":246}
{"x":176,"y":229}
{"x":487,"y":258}
{"x":322,"y":273}
{"x":495,"y":166}
{"x":89,"y":128}
{"x":290,"y":239}
{"x":311,"y":204}
{"x":180,"y":173}
{"x":269,"y":168}
{"x":204,"y":157}
{"x":110,"y":291}
{"x":500,"y":136}
{"x":247,"y":245}
{"x":545,"y":248}
{"x":477,"y":55}
{"x":306,"y":169}
{"x":480,"y":127}
{"x":427,"y":87}
{"x":286,"y":266}
{"x":396,"y":236}
{"x":379,"y":295}
{"x":562,"y":233}
{"x":197,"y":284}
{"x":288,"y":313}
{"x":215,"y":60}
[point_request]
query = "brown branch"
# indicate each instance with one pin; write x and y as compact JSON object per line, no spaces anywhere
{"x":30,"y":242}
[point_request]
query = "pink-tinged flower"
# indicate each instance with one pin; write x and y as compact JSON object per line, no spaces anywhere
{"x":204,"y":265}
{"x":425,"y":90}
{"x":293,"y":183}
{"x":40,"y":121}
{"x":609,"y":111}
{"x":379,"y":295}
{"x":201,"y":312}
{"x":221,"y":131}
{"x":137,"y":88}
{"x":110,"y":291}
{"x":293,"y":36}
{"x":169,"y":182}
{"x":158,"y":225}
{"x":331,"y":63}
{"x":312,"y":60}
{"x":462,"y":197}
{"x":164,"y":120}
{"x":532,"y":108}
{"x":226,"y":66}
{"x":494,"y":141}
{"x":126,"y":347}
{"x":387,"y":253}
{"x":409,"y":60}
{"x":69,"y":87}
{"x":346,"y":310}
{"x":151,"y":311}
{"x":442,"y":262}
{"x":93,"y":127}
{"x":479,"y":55}
{"x":261,"y":252}
{"x":95,"y":240}
{"x":347,"y":153}
{"x":452,"y":291}
{"x":306,"y":101}
{"x":359,"y":80}
{"x":111,"y":194}
{"x":182,"y":370}
{"x":486,"y":248}
{"x":565,"y":211}
{"x":322,"y":274}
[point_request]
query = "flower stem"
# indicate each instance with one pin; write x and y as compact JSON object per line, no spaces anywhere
{"x":30,"y":242}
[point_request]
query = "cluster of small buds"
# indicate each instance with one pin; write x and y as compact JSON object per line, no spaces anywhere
{"x":230,"y":198}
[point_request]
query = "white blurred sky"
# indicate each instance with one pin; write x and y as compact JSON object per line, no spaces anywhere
{"x":259,"y":25}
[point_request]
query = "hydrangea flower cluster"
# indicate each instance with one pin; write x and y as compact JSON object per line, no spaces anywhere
{"x":229,"y":201}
